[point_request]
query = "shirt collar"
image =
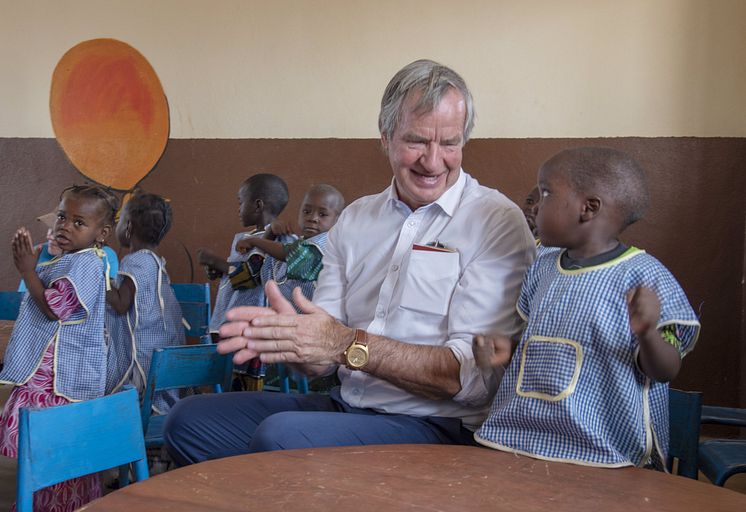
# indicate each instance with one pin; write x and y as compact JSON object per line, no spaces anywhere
{"x":448,"y":201}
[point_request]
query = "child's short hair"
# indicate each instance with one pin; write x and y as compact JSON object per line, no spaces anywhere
{"x":271,"y":189}
{"x":150,"y":216}
{"x":109,"y":203}
{"x":323,"y":188}
{"x":611,"y":173}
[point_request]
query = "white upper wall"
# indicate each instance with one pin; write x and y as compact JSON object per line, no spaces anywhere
{"x":317,"y":68}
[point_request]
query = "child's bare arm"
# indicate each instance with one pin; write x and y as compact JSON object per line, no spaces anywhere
{"x":274,"y":249}
{"x":24,"y":258}
{"x":121,"y":298}
{"x":211,"y":260}
{"x":491,"y":351}
{"x":279,"y":227}
{"x":657,"y":358}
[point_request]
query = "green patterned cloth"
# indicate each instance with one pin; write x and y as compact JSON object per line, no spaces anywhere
{"x":303,"y":260}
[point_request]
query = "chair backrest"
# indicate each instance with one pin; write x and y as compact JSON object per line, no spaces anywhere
{"x":68,"y":441}
{"x":10,"y":303}
{"x":194,"y":300}
{"x":684,"y":412}
{"x":185,"y":366}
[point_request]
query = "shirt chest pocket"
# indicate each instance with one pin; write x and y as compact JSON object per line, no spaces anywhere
{"x":431,"y":278}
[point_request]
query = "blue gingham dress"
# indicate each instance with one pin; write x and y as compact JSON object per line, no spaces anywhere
{"x":277,"y":270}
{"x":227,"y":297}
{"x":80,"y":349}
{"x":573,"y":391}
{"x":153,"y":321}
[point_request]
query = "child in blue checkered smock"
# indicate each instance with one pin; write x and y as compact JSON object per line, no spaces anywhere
{"x":291,"y":261}
{"x":296,"y":262}
{"x":607,"y":326}
{"x":143,"y":312}
{"x":57,"y":351}
{"x":261,"y":197}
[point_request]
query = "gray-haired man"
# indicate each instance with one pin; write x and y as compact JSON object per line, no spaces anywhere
{"x":410,"y":276}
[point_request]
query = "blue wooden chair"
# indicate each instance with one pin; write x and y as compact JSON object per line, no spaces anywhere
{"x":176,"y":368}
{"x":10,"y":303}
{"x":194,"y":300}
{"x":719,"y":459}
{"x":59,"y":443}
{"x":684,"y":411}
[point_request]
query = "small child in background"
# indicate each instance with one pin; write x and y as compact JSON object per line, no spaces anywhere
{"x":57,"y":351}
{"x":298,"y":263}
{"x":607,"y":326}
{"x":262,"y":197}
{"x":144,"y":314}
{"x":530,"y":207}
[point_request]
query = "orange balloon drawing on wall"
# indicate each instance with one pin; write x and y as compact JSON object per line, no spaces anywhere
{"x":109,"y":112}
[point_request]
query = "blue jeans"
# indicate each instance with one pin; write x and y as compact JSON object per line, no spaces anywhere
{"x":212,"y":426}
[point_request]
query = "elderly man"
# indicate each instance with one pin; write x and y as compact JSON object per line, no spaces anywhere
{"x":410,"y":276}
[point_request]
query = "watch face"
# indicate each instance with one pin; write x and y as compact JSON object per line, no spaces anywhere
{"x":357,"y":357}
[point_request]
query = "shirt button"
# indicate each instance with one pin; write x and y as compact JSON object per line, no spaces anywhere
{"x":411,"y":223}
{"x":394,"y":267}
{"x":355,"y":391}
{"x":380,"y":314}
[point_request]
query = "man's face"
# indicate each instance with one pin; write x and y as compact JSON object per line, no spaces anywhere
{"x":425,"y":150}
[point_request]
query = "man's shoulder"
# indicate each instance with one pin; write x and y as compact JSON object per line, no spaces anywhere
{"x":486,"y":199}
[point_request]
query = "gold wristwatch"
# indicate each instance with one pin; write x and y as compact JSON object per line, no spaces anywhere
{"x":356,"y":355}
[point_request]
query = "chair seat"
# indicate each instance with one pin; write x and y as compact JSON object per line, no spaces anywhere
{"x":719,"y":459}
{"x":154,"y":435}
{"x":724,"y":415}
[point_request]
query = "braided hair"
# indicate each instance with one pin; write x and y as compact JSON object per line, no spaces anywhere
{"x":150,"y":216}
{"x":108,"y":202}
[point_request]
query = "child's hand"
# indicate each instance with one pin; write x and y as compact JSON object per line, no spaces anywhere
{"x":280,"y":227}
{"x":644,"y":310}
{"x":491,"y":351}
{"x":24,"y":253}
{"x":245,"y":245}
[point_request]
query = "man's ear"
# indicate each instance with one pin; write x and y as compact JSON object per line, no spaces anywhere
{"x":384,"y":143}
{"x":591,"y":208}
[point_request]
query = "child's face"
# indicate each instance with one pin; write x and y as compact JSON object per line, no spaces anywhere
{"x":530,"y":207}
{"x":559,"y":210}
{"x":80,"y":223}
{"x":247,"y":207}
{"x":318,"y":213}
{"x":121,"y":231}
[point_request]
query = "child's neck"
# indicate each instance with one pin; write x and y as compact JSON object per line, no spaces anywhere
{"x":592,"y":248}
{"x":139,"y":245}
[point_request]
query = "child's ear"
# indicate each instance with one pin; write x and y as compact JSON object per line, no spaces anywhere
{"x":104,"y":234}
{"x":591,"y":208}
{"x":259,"y":205}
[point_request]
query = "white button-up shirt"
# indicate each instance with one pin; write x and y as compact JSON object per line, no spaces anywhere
{"x":378,"y":276}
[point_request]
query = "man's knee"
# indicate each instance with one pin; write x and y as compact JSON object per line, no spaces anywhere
{"x":282,"y":431}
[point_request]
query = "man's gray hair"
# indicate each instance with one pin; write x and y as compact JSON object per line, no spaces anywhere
{"x":434,"y":81}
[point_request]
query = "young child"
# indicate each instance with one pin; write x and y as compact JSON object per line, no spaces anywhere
{"x":261,"y":197}
{"x":298,"y":263}
{"x":530,"y":207}
{"x":144,"y":313}
{"x":57,"y":351}
{"x":607,"y":326}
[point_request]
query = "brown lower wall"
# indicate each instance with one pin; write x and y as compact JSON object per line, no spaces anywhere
{"x":696,"y":224}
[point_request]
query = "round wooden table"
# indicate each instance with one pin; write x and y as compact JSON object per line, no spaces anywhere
{"x":412,"y":477}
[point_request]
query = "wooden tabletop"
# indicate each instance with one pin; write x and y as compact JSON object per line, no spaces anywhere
{"x":412,"y":477}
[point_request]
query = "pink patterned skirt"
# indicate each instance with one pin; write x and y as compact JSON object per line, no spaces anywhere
{"x":39,"y":392}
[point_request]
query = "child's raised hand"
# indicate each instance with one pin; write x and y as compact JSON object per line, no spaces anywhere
{"x":644,"y":310}
{"x":491,"y":351}
{"x":281,"y":227}
{"x":245,"y":245}
{"x":24,"y":253}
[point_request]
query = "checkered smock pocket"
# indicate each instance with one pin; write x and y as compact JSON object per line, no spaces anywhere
{"x":549,"y":369}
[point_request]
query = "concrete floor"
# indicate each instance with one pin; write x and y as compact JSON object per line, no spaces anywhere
{"x":8,"y":471}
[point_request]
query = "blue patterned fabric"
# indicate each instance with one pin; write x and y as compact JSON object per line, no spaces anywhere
{"x":277,"y":270}
{"x":153,"y":321}
{"x":227,"y":297}
{"x":80,"y":349}
{"x":573,"y":391}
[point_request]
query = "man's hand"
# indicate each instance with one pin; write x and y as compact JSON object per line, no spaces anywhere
{"x":644,"y":310}
{"x":491,"y":351}
{"x":279,"y":335}
{"x":24,"y":253}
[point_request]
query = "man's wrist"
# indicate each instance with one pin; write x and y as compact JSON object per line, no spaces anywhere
{"x":348,"y":336}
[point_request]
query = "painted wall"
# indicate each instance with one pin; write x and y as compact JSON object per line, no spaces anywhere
{"x":294,"y":88}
